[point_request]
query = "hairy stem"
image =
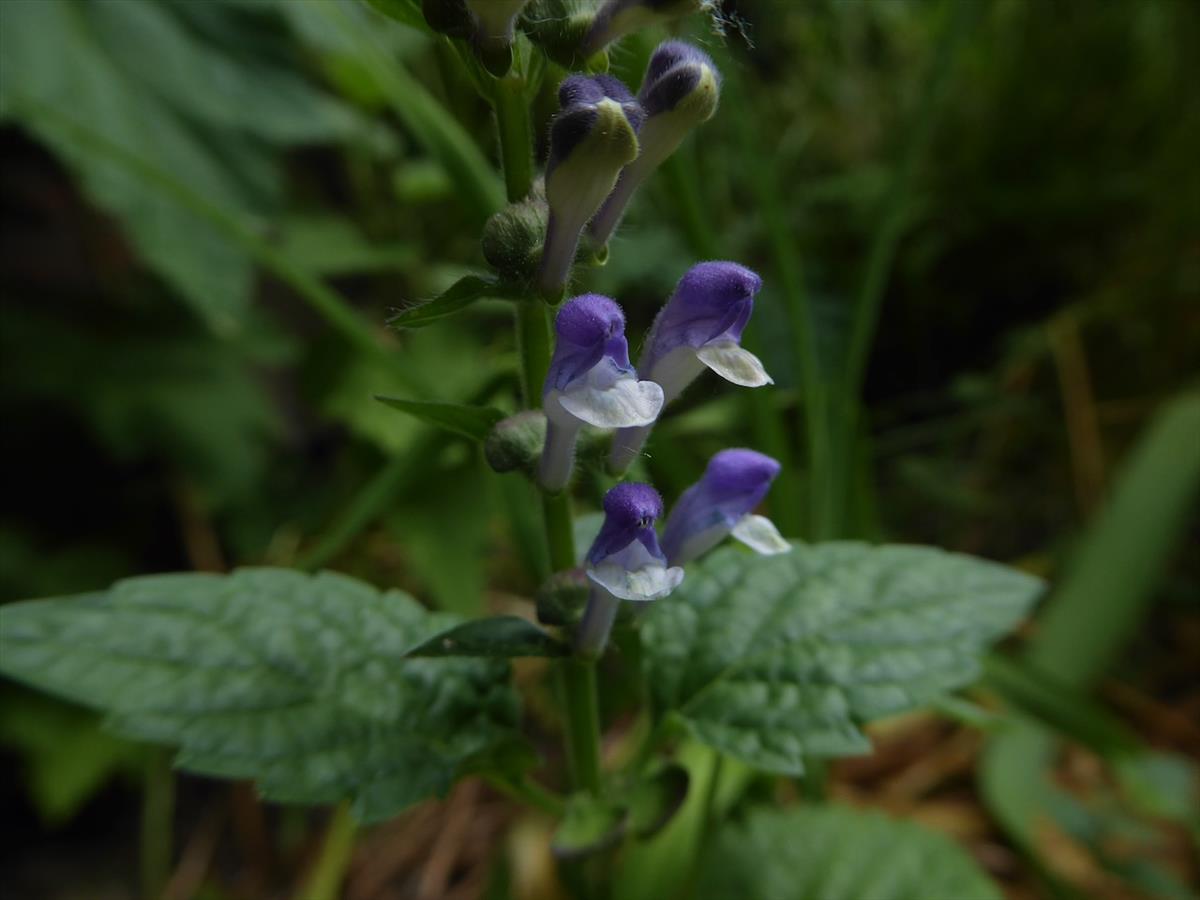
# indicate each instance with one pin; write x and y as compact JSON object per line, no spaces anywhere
{"x":577,"y":678}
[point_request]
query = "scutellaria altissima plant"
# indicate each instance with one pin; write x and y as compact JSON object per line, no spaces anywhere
{"x":325,"y":690}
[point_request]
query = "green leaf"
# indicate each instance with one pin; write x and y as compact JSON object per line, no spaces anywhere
{"x":299,"y":682}
{"x":474,"y":422}
{"x":591,"y":824}
{"x":464,"y":292}
{"x":1104,"y":594}
{"x":833,"y":853}
{"x":499,"y":637}
{"x":66,"y":758}
{"x":404,"y":11}
{"x":106,"y":113}
{"x":655,"y":801}
{"x":770,"y":659}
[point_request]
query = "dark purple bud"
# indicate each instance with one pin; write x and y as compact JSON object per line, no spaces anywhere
{"x":578,"y":99}
{"x":676,"y":70}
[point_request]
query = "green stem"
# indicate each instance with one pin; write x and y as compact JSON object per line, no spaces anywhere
{"x":325,"y":881}
{"x":158,"y":813}
{"x":579,"y":699}
{"x":516,"y":135}
{"x":530,"y":792}
{"x":577,"y":678}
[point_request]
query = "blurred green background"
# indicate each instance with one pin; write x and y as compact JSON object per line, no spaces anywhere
{"x":1014,"y":183}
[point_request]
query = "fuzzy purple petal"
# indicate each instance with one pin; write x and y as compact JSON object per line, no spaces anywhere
{"x":588,"y":328}
{"x":630,"y":511}
{"x":714,"y":300}
{"x":733,"y":484}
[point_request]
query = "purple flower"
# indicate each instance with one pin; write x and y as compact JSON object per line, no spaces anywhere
{"x":699,"y":327}
{"x":624,"y":562}
{"x":593,"y":136}
{"x":679,"y":92}
{"x":590,"y":382}
{"x":722,"y":503}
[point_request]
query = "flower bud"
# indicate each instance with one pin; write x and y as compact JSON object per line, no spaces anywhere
{"x":679,"y":92}
{"x":563,"y":598}
{"x":516,"y":442}
{"x":560,"y":28}
{"x":618,"y":18}
{"x":722,"y":503}
{"x":625,"y":562}
{"x":699,"y":327}
{"x":493,"y":34}
{"x":590,"y":382}
{"x":592,"y":138}
{"x":512,"y":238}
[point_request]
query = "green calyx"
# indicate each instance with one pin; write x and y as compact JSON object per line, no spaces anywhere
{"x":561,"y":28}
{"x":512,"y":238}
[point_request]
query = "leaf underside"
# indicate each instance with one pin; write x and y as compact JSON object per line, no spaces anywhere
{"x":298,"y":682}
{"x":771,"y":659}
{"x":833,"y":853}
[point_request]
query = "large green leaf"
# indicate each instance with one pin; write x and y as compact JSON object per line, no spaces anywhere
{"x":771,"y":659}
{"x":176,"y":104}
{"x":833,"y":853}
{"x":299,"y":682}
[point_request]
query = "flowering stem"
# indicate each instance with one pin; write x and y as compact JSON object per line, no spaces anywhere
{"x":516,"y":142}
{"x":325,"y":880}
{"x":577,"y":678}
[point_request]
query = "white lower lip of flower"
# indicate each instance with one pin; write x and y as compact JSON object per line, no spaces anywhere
{"x":625,"y":403}
{"x":633,"y":574}
{"x":733,"y":363}
{"x":760,"y":535}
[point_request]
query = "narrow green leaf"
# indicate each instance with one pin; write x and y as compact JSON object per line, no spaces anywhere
{"x":1104,"y":593}
{"x":833,"y":853}
{"x":464,"y":292}
{"x":299,"y":682}
{"x":770,"y":659}
{"x":500,"y":637}
{"x":403,"y":11}
{"x":474,"y":422}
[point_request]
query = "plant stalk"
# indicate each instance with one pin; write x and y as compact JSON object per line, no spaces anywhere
{"x":577,"y":678}
{"x":325,"y":881}
{"x":158,"y":813}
